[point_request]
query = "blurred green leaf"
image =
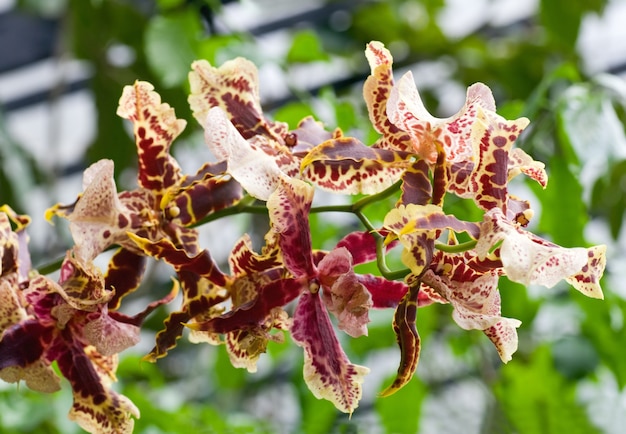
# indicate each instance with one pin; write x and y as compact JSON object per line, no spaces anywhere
{"x":575,"y":357}
{"x":293,"y":113}
{"x":537,"y":399}
{"x":608,"y":198}
{"x":400,"y":412}
{"x":306,"y":47}
{"x":562,"y":18}
{"x":604,"y":327}
{"x":170,"y":45}
{"x":225,"y":375}
{"x":564,"y":214}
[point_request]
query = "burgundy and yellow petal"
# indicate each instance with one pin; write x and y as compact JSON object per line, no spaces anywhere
{"x":81,"y":284}
{"x":243,"y":260}
{"x":289,"y":209}
{"x":417,"y":227}
{"x":201,"y":264}
{"x":256,"y":171}
{"x":416,"y":186}
{"x":201,"y":298}
{"x":234,"y":87}
{"x":22,"y":350}
{"x":345,"y":165}
{"x":385,"y":293}
{"x":188,"y":205}
{"x":246,"y":346}
{"x":376,"y":90}
{"x":361,"y":245}
{"x":124,"y":274}
{"x":96,"y":407}
{"x":155,"y":127}
{"x":327,"y":371}
{"x":408,"y":340}
{"x":255,"y":312}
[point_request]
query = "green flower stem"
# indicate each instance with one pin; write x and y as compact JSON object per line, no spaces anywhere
{"x":456,"y":248}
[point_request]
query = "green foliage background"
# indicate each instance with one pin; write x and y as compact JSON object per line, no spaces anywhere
{"x":569,"y":345}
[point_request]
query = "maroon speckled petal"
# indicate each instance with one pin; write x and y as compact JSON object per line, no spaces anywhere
{"x":289,"y":209}
{"x":327,"y":371}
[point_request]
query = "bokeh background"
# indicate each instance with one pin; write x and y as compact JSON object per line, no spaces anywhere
{"x":561,"y":63}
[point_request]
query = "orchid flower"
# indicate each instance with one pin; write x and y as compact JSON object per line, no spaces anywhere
{"x":68,"y":322}
{"x":163,"y":207}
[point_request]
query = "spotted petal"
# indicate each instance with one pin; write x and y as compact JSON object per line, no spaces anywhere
{"x":344,"y":295}
{"x":327,"y":371}
{"x":376,"y":90}
{"x":289,"y":209}
{"x":475,"y":299}
{"x":529,"y":259}
{"x":234,"y":87}
{"x":96,"y":407}
{"x":155,"y":126}
{"x":345,"y":165}
{"x":417,"y":227}
{"x":98,"y":219}
{"x":408,"y":340}
{"x":254,"y":169}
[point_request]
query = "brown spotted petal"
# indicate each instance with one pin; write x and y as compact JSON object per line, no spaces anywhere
{"x":343,"y":294}
{"x":155,"y":127}
{"x":234,"y":87}
{"x":376,"y":90}
{"x":246,"y":346}
{"x":485,"y":179}
{"x":243,"y":259}
{"x":587,"y":281}
{"x":327,"y":371}
{"x":14,"y":254}
{"x":521,"y":162}
{"x":81,"y":284}
{"x":529,"y":259}
{"x":96,"y":408}
{"x":107,"y":335}
{"x":417,"y":227}
{"x":289,"y":209}
{"x":256,"y":171}
{"x":98,"y":218}
{"x":22,"y":349}
{"x":408,"y":340}
{"x":476,"y":302}
{"x":455,"y":134}
{"x":345,"y":165}
{"x":275,"y":294}
{"x":124,"y":274}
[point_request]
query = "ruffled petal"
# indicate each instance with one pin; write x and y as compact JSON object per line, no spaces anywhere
{"x":327,"y":371}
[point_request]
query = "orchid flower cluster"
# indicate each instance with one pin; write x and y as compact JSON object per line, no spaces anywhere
{"x":286,"y":286}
